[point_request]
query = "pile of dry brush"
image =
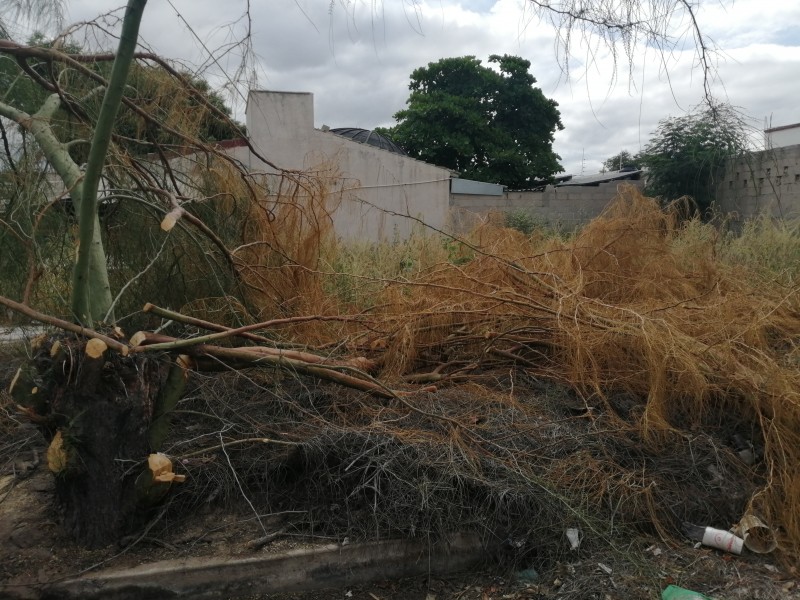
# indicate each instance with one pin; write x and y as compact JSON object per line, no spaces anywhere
{"x":518,"y":386}
{"x":611,"y":378}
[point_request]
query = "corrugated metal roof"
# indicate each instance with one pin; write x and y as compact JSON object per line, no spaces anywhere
{"x":599,"y":178}
{"x":371,"y":138}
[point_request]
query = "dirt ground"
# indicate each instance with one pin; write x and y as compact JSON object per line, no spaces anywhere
{"x":35,"y":552}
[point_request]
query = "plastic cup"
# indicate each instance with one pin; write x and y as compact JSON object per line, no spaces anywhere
{"x":722,"y":540}
{"x":758,"y":537}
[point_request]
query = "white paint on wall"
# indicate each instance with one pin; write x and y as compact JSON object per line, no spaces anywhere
{"x":786,"y":135}
{"x":384,"y":195}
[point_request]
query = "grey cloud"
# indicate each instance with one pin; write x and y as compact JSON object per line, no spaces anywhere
{"x":357,"y":61}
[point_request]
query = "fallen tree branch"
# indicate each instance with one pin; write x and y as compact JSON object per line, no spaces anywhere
{"x":146,"y":339}
{"x":65,"y":325}
{"x":259,"y":543}
{"x":216,"y":358}
{"x":181,"y":318}
{"x":246,"y":357}
{"x":178,"y":343}
{"x":256,"y":440}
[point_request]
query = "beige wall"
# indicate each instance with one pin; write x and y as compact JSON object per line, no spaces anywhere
{"x":783,"y":136}
{"x":383,"y":192}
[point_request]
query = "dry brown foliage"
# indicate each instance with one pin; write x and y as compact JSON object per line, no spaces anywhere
{"x":624,"y":308}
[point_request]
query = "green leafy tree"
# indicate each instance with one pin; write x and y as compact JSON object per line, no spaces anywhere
{"x":618,"y":161}
{"x":490,"y":125}
{"x":687,"y":155}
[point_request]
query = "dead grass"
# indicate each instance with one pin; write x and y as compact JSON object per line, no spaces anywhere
{"x":604,"y":380}
{"x":637,"y":305}
{"x":768,"y":248}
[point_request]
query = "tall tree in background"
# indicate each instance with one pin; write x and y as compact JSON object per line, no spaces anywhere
{"x":490,"y":125}
{"x":687,"y":155}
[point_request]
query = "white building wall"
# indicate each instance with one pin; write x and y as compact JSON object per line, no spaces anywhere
{"x":385,"y":192}
{"x":779,"y":137}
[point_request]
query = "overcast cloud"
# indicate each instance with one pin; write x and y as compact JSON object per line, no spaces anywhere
{"x":356,"y":57}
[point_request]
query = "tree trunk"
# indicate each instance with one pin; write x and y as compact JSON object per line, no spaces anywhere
{"x":95,"y":407}
{"x":91,"y":294}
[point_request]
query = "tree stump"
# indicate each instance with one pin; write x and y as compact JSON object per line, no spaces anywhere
{"x":94,"y":407}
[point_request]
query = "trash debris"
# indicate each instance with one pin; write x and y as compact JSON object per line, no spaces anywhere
{"x":605,"y":568}
{"x":673,"y":592}
{"x":654,"y":550}
{"x":757,"y":536}
{"x":723,"y":540}
{"x":527,"y":576}
{"x":714,"y":538}
{"x":575,"y":537}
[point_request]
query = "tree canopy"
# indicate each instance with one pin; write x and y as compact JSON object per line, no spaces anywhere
{"x":686,"y":155}
{"x":620,"y":160}
{"x":42,"y":13}
{"x":490,"y":125}
{"x":54,"y":96}
{"x":151,"y":87}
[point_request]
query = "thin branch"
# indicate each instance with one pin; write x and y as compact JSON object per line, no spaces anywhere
{"x":234,"y":332}
{"x":65,"y":325}
{"x":133,"y":280}
{"x":181,"y":318}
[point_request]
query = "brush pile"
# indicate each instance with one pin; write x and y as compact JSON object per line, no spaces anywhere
{"x":623,"y":377}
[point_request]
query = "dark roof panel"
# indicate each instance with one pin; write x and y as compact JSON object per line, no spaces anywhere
{"x":603,"y":177}
{"x":365,"y":136}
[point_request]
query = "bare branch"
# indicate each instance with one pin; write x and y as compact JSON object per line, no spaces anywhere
{"x":65,"y":325}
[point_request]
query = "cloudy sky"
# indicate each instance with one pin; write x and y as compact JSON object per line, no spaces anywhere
{"x":356,"y":57}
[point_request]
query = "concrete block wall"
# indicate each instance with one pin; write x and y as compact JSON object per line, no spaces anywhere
{"x":762,"y":182}
{"x":758,"y":183}
{"x":564,"y":207}
{"x":379,"y":195}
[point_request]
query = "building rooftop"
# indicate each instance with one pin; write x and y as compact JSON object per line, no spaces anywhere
{"x":372,"y":138}
{"x":598,"y":178}
{"x":782,"y":128}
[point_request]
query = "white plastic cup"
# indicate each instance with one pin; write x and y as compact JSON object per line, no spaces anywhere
{"x":575,"y":537}
{"x":722,"y":540}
